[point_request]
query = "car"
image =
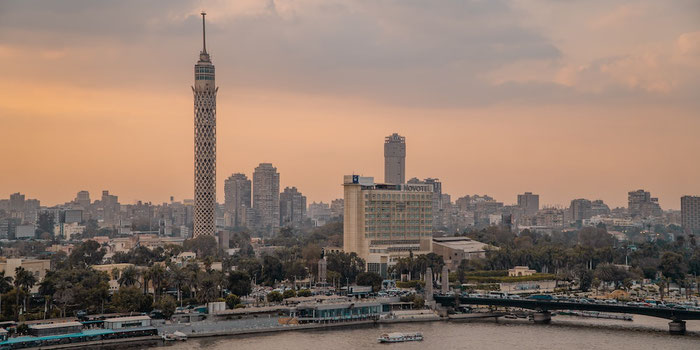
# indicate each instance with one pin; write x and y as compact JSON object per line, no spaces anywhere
{"x":541,"y":297}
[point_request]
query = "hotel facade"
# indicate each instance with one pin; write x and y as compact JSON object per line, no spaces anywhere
{"x":384,"y":222}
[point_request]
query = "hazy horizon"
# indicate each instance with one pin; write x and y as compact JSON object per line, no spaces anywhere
{"x":575,"y":99}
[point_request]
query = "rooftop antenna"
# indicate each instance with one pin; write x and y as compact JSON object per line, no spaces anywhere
{"x":204,"y":33}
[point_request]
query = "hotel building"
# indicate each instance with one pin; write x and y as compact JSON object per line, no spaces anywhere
{"x":386,"y":221}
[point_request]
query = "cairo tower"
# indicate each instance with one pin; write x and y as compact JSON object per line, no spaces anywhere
{"x":204,"y":90}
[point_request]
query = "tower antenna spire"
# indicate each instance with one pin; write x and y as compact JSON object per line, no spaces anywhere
{"x":204,"y":33}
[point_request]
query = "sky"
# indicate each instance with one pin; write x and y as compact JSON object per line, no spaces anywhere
{"x":564,"y":98}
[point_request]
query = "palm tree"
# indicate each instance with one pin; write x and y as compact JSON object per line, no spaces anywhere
{"x":158,"y":276}
{"x":24,"y":281}
{"x":5,"y":286}
{"x":178,"y":278}
{"x":146,"y":278}
{"x":129,"y":276}
{"x":193,"y":276}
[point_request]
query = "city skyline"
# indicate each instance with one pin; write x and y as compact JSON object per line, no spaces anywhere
{"x":594,"y":121}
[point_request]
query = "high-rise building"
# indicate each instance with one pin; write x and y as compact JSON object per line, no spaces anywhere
{"x":598,"y":207}
{"x":83,"y":199}
{"x":690,"y":213}
{"x":237,"y":198}
{"x":109,"y":208}
{"x":266,"y":198}
{"x":383,"y":222}
{"x":640,"y":204}
{"x":204,"y":90}
{"x":580,"y":209}
{"x":437,"y":198}
{"x":395,"y":159}
{"x":292,"y":207}
{"x":529,"y":203}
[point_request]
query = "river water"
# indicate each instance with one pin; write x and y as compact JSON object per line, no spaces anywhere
{"x":565,"y":332}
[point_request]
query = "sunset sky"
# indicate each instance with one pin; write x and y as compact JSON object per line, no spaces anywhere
{"x":568,"y":99}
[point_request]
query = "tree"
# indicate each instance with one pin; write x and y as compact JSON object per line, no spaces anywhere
{"x":178,"y":278}
{"x":232,"y":300}
{"x":130,"y":299}
{"x":272,"y":270}
{"x":5,"y":283}
{"x":24,"y":281}
{"x":585,"y":278}
{"x":239,"y":283}
{"x":129,"y":276}
{"x":167,"y":305}
{"x":203,"y":245}
{"x":672,"y":266}
{"x":87,"y":253}
{"x":289,"y":293}
{"x":370,"y":279}
{"x":274,"y":297}
{"x":45,"y":223}
{"x":348,"y":265}
{"x":304,"y":293}
{"x":611,"y":274}
{"x":158,"y":277}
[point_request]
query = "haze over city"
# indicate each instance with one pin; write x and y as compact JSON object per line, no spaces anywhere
{"x":317,"y":174}
{"x":565,"y":99}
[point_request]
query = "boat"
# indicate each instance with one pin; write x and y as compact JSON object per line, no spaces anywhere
{"x":177,"y":335}
{"x":398,"y":337}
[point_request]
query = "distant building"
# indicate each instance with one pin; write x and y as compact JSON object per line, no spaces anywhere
{"x":337,"y":206}
{"x":83,"y":199}
{"x":395,"y":159}
{"x":640,"y":204}
{"x":598,"y":207}
{"x":237,"y":198}
{"x":519,"y":271}
{"x":580,"y":210}
{"x":529,"y":203}
{"x":25,"y":231}
{"x":383,"y":222}
{"x":292,"y":207}
{"x":73,"y":216}
{"x":319,"y":213}
{"x":455,"y":249}
{"x":266,"y":198}
{"x":690,"y":213}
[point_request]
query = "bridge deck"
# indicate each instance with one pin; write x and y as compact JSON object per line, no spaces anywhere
{"x":547,"y":305}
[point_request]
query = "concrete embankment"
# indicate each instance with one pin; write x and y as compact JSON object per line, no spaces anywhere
{"x":300,"y":327}
{"x":107,"y":344}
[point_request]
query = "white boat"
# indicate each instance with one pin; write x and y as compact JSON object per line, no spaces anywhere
{"x":398,"y":337}
{"x":177,"y":335}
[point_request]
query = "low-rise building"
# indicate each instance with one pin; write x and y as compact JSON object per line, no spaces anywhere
{"x":127,"y":322}
{"x":37,"y":267}
{"x":519,"y":271}
{"x":455,"y":249}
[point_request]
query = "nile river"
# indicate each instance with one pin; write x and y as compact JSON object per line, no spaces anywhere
{"x":565,"y":332}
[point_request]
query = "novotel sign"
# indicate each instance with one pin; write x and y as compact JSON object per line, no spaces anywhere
{"x":417,"y":188}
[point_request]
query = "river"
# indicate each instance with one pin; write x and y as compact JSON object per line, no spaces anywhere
{"x":565,"y":332}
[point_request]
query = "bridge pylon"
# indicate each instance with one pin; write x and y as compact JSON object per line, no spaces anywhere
{"x":676,"y":327}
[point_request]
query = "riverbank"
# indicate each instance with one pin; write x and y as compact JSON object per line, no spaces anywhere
{"x":478,"y":334}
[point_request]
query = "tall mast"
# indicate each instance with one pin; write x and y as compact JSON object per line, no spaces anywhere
{"x":204,"y":33}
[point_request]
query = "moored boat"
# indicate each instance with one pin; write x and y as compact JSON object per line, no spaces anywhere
{"x":398,"y":337}
{"x":177,"y":335}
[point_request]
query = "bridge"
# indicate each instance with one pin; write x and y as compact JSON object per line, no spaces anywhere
{"x":542,"y":308}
